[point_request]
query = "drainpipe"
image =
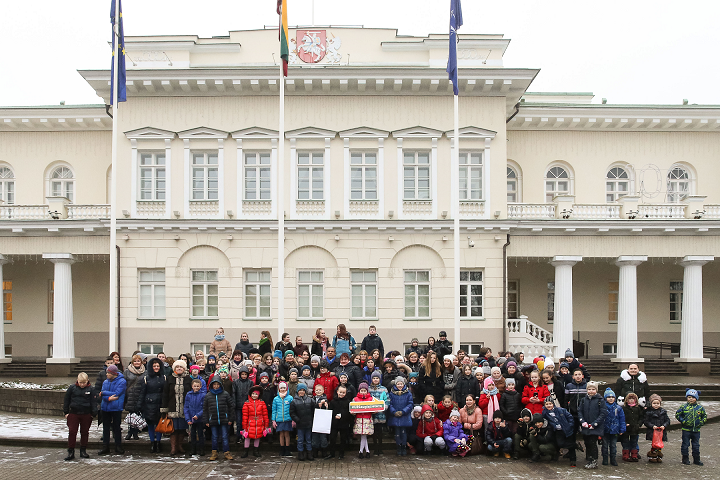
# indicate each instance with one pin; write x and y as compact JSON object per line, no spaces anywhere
{"x":517,"y":110}
{"x":504,"y":330}
{"x":117,"y":247}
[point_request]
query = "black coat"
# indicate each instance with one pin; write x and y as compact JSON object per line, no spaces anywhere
{"x":558,"y":390}
{"x":355,"y":375}
{"x":316,"y":348}
{"x":341,"y":406}
{"x":240,"y":391}
{"x":268,"y":395}
{"x":244,"y":347}
{"x":372,"y":342}
{"x":264,"y":347}
{"x":511,"y":405}
{"x":466,"y":386}
{"x":80,"y":401}
{"x":634,"y":418}
{"x":98,"y":383}
{"x":283,"y":347}
{"x":431,"y":385}
{"x":151,"y":392}
{"x":443,"y":347}
{"x":132,"y":390}
{"x":419,"y":350}
{"x":302,"y":411}
{"x":218,"y":409}
{"x":171,"y":396}
{"x":656,"y":418}
{"x":636,"y":384}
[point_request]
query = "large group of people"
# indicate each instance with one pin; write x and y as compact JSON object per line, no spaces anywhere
{"x":435,"y":402}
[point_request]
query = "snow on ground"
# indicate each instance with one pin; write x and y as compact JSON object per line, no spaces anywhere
{"x":26,"y":426}
{"x":32,"y":386}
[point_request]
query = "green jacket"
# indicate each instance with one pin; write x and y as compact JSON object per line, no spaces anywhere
{"x":692,"y":417}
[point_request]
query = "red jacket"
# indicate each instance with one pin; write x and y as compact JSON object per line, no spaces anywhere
{"x":329,"y":382}
{"x":443,"y":412}
{"x":363,"y":398}
{"x":483,"y":402}
{"x":255,"y":417}
{"x":529,"y":392}
{"x":429,"y":428}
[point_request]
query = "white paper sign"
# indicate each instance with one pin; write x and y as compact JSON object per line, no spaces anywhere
{"x":322,"y":421}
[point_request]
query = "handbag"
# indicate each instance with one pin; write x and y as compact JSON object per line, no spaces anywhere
{"x":657,"y":440}
{"x":135,"y":421}
{"x":165,"y":426}
{"x":476,"y":443}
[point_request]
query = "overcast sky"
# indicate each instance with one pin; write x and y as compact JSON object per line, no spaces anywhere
{"x":629,"y":51}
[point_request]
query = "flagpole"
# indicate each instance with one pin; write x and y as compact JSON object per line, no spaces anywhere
{"x":281,"y":207}
{"x":455,"y":180}
{"x":112,"y":334}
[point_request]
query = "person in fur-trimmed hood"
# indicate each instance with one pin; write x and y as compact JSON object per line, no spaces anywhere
{"x":635,"y":381}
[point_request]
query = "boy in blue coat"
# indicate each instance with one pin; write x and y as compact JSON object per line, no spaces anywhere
{"x":113,"y":400}
{"x":614,"y":426}
{"x":194,"y":414}
{"x":692,"y":416}
{"x":591,"y":416}
{"x":561,"y":422}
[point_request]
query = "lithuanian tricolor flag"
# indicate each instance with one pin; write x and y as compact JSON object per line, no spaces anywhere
{"x":284,"y":37}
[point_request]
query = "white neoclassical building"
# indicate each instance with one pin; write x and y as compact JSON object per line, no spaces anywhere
{"x":583,"y":225}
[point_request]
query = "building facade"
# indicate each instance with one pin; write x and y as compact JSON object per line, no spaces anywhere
{"x":581,"y":223}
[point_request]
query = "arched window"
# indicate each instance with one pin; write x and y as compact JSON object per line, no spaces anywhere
{"x":617,"y":184}
{"x":557,"y":182}
{"x":7,"y":185}
{"x":512,"y":185}
{"x":62,"y":183}
{"x":678,"y":184}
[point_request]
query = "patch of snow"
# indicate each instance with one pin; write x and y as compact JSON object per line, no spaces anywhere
{"x":31,"y":386}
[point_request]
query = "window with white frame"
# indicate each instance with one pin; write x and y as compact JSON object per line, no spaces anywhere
{"x":417,"y":294}
{"x":416,"y":175}
{"x":512,"y":185}
{"x":471,"y":294}
{"x":551,"y":301}
{"x":676,"y":298}
{"x":152,"y":176}
{"x":151,"y":348}
{"x":471,"y":349}
{"x":205,"y":293}
{"x":678,"y":184}
{"x":205,"y":174}
{"x":203,"y":347}
{"x":513,"y":298}
{"x":62,"y":183}
{"x":7,"y":185}
{"x":310,"y":295}
{"x":363,"y":288}
{"x":257,"y":176}
{"x":363,"y":176}
{"x":471,"y":176}
{"x":151,"y":284}
{"x":257,"y":294}
{"x":613,"y":299}
{"x":617,"y":184}
{"x":557,"y":182}
{"x":310,"y":176}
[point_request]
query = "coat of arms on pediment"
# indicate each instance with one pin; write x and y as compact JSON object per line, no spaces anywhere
{"x":315,"y":46}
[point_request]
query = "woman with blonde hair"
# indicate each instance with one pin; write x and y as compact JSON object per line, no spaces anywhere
{"x":79,"y":408}
{"x":133,"y":373}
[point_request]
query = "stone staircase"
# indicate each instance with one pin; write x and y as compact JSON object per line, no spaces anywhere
{"x":663,"y":366}
{"x":91,"y":367}
{"x":22,"y":370}
{"x":600,"y":367}
{"x":715,"y":366}
{"x":677,"y":392}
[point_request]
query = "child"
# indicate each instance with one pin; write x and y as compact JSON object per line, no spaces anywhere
{"x":591,"y":415}
{"x":455,"y":437}
{"x":429,"y":431}
{"x":195,"y":375}
{"x":575,"y":391}
{"x":344,"y":379}
{"x":240,"y":391}
{"x":656,"y":418}
{"x":307,"y":378}
{"x":614,"y":426}
{"x":220,"y":344}
{"x":414,"y":387}
{"x":301,"y":412}
{"x":319,"y":440}
{"x":255,"y":424}
{"x":341,"y":420}
{"x":692,"y":416}
{"x":328,"y":381}
{"x":217,"y":408}
{"x":535,"y":393}
{"x":412,"y":438}
{"x":511,"y":404}
{"x":378,"y":392}
{"x":268,"y":395}
{"x":363,"y":421}
{"x":445,"y":407}
{"x":521,"y":439}
{"x":634,"y":416}
{"x":399,"y":410}
{"x":429,"y":400}
{"x":368,"y":370}
{"x":193,"y":415}
{"x":489,"y":400}
{"x":497,"y":435}
{"x":281,"y":420}
{"x":293,"y":382}
{"x":562,"y":426}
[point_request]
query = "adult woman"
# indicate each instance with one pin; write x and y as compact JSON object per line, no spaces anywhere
{"x":319,"y":343}
{"x":79,"y":408}
{"x":363,"y":355}
{"x":431,"y":378}
{"x":451,"y":375}
{"x":511,"y":371}
{"x":534,"y":393}
{"x":430,"y":346}
{"x":177,"y":385}
{"x":498,"y":379}
{"x":132,"y":374}
{"x":635,"y":381}
{"x":187,"y":358}
{"x":471,"y":417}
{"x":150,"y":398}
{"x":200,"y":358}
{"x":413,"y":362}
{"x":399,"y":410}
{"x":265,"y":345}
{"x":284,"y":344}
{"x":118,"y":362}
{"x":343,"y":341}
{"x":554,"y":386}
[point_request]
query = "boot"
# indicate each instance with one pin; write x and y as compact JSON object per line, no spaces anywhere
{"x":329,"y":455}
{"x":128,"y":436}
{"x":685,"y":460}
{"x":119,"y":450}
{"x":194,"y":449}
{"x":202,"y":450}
{"x":83,"y":453}
{"x":173,"y":445}
{"x":213,"y":456}
{"x":256,"y":452}
{"x":180,"y":442}
{"x":105,"y":450}
{"x":154,"y":447}
{"x":626,"y":455}
{"x":634,"y":456}
{"x":301,"y":456}
{"x":605,"y":460}
{"x":159,"y":446}
{"x":135,"y":435}
{"x":341,"y":455}
{"x":613,"y":462}
{"x":314,"y":453}
{"x":71,"y":455}
{"x":228,"y":456}
{"x":696,"y":461}
{"x":288,"y":452}
{"x":310,"y":455}
{"x":245,"y":453}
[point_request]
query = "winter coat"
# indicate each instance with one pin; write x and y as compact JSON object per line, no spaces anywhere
{"x":329,"y":383}
{"x":466,"y":385}
{"x":636,"y":384}
{"x":203,"y":384}
{"x":353,"y":372}
{"x":495,"y":434}
{"x":372,"y":342}
{"x":174,"y":395}
{"x":450,"y":379}
{"x":656,"y":417}
{"x":218,"y":407}
{"x":101,"y":376}
{"x":452,"y":432}
{"x":399,"y":401}
{"x":309,"y":383}
{"x":419,"y":350}
{"x":194,"y":406}
{"x":299,"y":349}
{"x":292,"y":388}
{"x":484,"y":402}
{"x":559,"y":417}
{"x":112,"y":387}
{"x":442,"y":348}
{"x":519,"y":380}
{"x":615,"y":420}
{"x":316,"y":348}
{"x":333,"y":363}
{"x":574,"y":393}
{"x":344,"y":346}
{"x":362,"y":398}
{"x":429,"y":428}
{"x":81,"y":400}
{"x":284,"y":369}
{"x":511,"y":404}
{"x":379,"y":393}
{"x":268,"y":395}
{"x":221,"y":346}
{"x":281,"y":408}
{"x":132,"y":390}
{"x":692,"y":417}
{"x":388,"y":378}
{"x":557,"y":392}
{"x":351,"y":391}
{"x":575,"y":364}
{"x":431,"y":384}
{"x":264,"y":346}
{"x":241,"y":389}
{"x":592,"y":410}
{"x":255,"y":418}
{"x":529,"y":392}
{"x":341,"y":406}
{"x":283,"y":347}
{"x":634,"y":417}
{"x":234,"y":369}
{"x":245,"y":346}
{"x":302,"y":411}
{"x":151,"y":393}
{"x":471,"y":422}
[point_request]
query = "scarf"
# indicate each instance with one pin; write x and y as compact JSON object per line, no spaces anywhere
{"x":263,"y":341}
{"x":493,"y":403}
{"x":219,"y":338}
{"x":137,"y":371}
{"x":470,"y":410}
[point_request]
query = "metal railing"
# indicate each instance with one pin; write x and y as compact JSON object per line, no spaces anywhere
{"x":675,"y":348}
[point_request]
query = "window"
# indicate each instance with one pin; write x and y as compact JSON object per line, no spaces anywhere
{"x":416,"y":175}
{"x":551,"y":301}
{"x":151,"y":348}
{"x":7,"y":301}
{"x":363,"y":287}
{"x":676,"y":297}
{"x":678,"y":184}
{"x":617,"y":184}
{"x":471,"y":349}
{"x":613,"y":295}
{"x":7,"y":185}
{"x":257,"y":176}
{"x":363,"y":176}
{"x":609,"y":348}
{"x":205,"y":176}
{"x":513,"y":298}
{"x":152,"y":294}
{"x":471,"y":294}
{"x":471,"y":178}
{"x":51,"y":301}
{"x":8,"y":350}
{"x":557,"y":182}
{"x":152,"y":176}
{"x":205,"y":294}
{"x":62,"y":183}
{"x":310,"y":176}
{"x":310,"y":295}
{"x":257,"y":294}
{"x":512,"y":185}
{"x":417,"y":294}
{"x":205,"y":347}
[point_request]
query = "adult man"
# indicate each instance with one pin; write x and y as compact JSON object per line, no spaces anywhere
{"x":244,"y":345}
{"x":166,"y":366}
{"x":332,"y":359}
{"x":443,"y":345}
{"x":299,"y":347}
{"x":373,"y":341}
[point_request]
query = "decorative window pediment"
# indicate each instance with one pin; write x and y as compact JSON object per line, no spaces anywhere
{"x":310,"y":132}
{"x":364,"y":132}
{"x":472,"y":132}
{"x":203,"y":133}
{"x":417,"y":132}
{"x":150,"y":133}
{"x":254,"y":133}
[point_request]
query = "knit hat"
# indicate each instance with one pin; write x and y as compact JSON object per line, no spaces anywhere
{"x":691,"y":392}
{"x":455,"y":413}
{"x":400,"y":379}
{"x":488,"y":381}
{"x":277,"y":354}
{"x":509,"y":381}
{"x":549,"y":362}
{"x":194,"y":367}
{"x":282,"y":384}
{"x":112,"y":370}
{"x":549,"y":399}
{"x":224,"y":369}
{"x":565,"y":364}
{"x":264,"y":374}
{"x":399,"y":358}
{"x":324,"y":364}
{"x":501,"y":361}
{"x":495,"y":369}
{"x":630,"y":396}
{"x":305,"y":367}
{"x":487,"y":370}
{"x":442,"y":333}
{"x":293,"y":370}
{"x":315,"y":358}
{"x":211,"y":356}
{"x":511,"y":363}
{"x":143,"y":356}
{"x":301,"y":386}
{"x":609,"y":393}
{"x":222,"y":353}
{"x":376,"y":374}
{"x":537,"y":418}
{"x":363,"y":385}
{"x":525,"y":412}
{"x":592,"y":384}
{"x":529,"y":368}
{"x":343,"y":374}
{"x":414,"y":340}
{"x":449,"y":357}
{"x":289,"y":352}
{"x":417,"y":408}
{"x":569,"y":353}
{"x":654,"y":397}
{"x":414,"y":374}
{"x":179,"y":363}
{"x":256,"y":388}
{"x":497,"y":414}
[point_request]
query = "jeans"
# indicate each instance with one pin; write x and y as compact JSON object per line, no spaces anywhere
{"x":217,"y":431}
{"x":154,"y":436}
{"x":319,"y":440}
{"x":591,"y":444}
{"x":197,"y":436}
{"x":401,"y":437}
{"x":609,"y":446}
{"x":304,"y":439}
{"x":506,"y":445}
{"x":687,"y":437}
{"x":84,"y":422}
{"x":112,"y":420}
{"x":630,"y":442}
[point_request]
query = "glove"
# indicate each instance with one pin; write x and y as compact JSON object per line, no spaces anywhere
{"x":245,"y":433}
{"x":293,"y":424}
{"x":585,"y":425}
{"x":398,"y":414}
{"x":266,"y":432}
{"x":523,"y":443}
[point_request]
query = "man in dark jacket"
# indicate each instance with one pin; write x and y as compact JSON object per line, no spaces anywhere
{"x":244,"y":345}
{"x":218,"y":406}
{"x":302,"y":411}
{"x":443,"y":346}
{"x":332,"y":359}
{"x":373,"y":341}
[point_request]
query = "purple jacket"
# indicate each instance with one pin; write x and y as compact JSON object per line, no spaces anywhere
{"x":451,"y":433}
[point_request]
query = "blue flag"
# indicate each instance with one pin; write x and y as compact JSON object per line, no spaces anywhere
{"x":456,"y":22}
{"x":119,"y":50}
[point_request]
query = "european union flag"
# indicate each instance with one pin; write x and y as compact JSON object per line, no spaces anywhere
{"x":119,"y":50}
{"x":456,"y":22}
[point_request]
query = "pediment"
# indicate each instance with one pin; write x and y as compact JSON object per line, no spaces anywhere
{"x":310,"y":132}
{"x":364,"y":132}
{"x":150,"y":133}
{"x":472,"y":132}
{"x":255,"y":133}
{"x":202,"y":133}
{"x":417,"y":132}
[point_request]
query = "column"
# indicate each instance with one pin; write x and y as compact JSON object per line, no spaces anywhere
{"x":63,"y":333}
{"x":563,"y":309}
{"x":3,"y":359}
{"x":627,"y":343}
{"x":691,"y":330}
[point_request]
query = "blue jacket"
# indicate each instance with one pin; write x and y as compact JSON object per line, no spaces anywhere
{"x":194,"y":406}
{"x":615,"y":420}
{"x":559,"y":417}
{"x":110,"y":388}
{"x":592,"y":410}
{"x":281,"y":409}
{"x":400,"y":401}
{"x":379,"y":393}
